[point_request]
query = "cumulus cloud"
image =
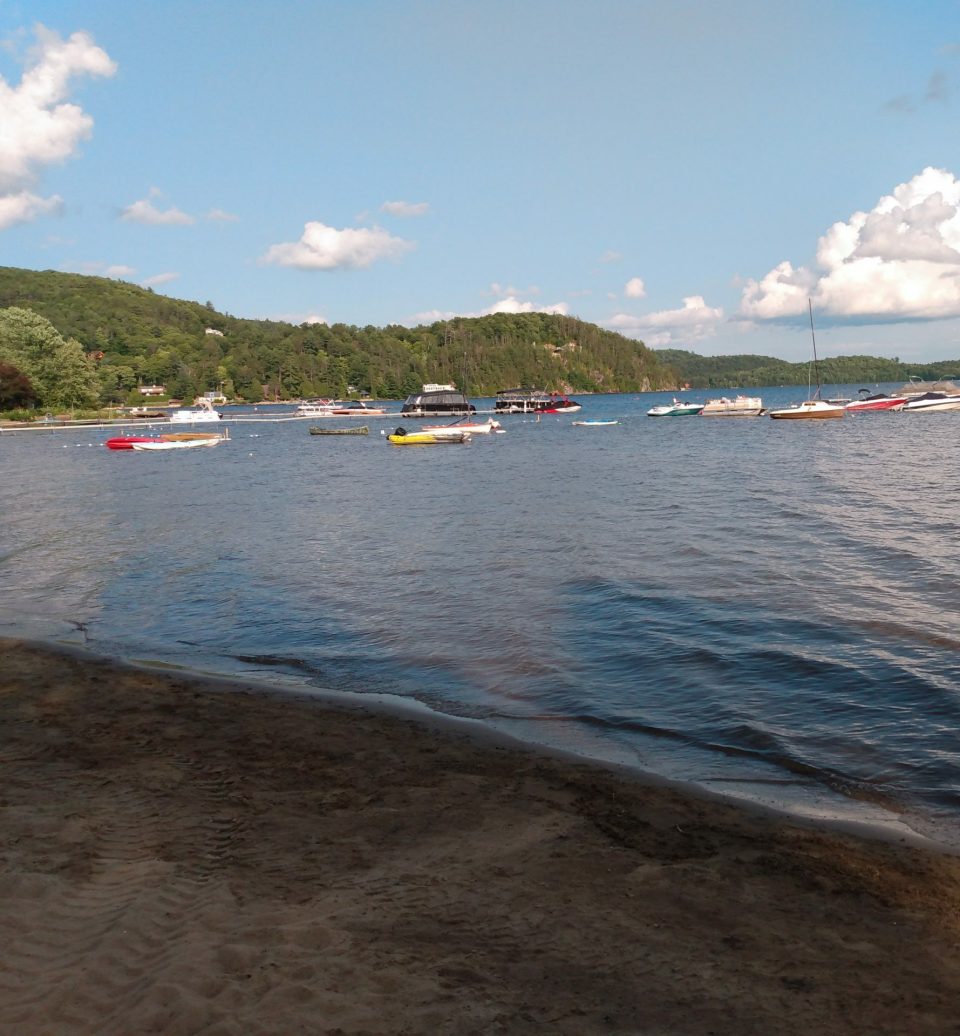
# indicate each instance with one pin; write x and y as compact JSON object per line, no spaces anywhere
{"x":431,"y":316}
{"x":158,"y":278}
{"x":38,"y":127}
{"x":23,"y":206}
{"x":900,"y":261}
{"x":635,"y":288}
{"x":405,"y":208}
{"x":219,"y":216}
{"x":692,"y":323}
{"x":511,"y":304}
{"x":326,"y":248}
{"x":144,"y":211}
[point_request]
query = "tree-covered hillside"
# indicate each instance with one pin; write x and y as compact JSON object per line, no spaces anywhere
{"x":133,"y":337}
{"x":745,"y":371}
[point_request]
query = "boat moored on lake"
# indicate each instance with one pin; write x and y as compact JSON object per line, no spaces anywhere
{"x":678,"y":408}
{"x":867,"y":403}
{"x":437,"y":401}
{"x":931,"y":402}
{"x":739,"y":406}
{"x":202,"y":414}
{"x":401,"y":437}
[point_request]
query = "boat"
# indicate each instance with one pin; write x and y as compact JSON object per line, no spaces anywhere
{"x":877,"y":401}
{"x":202,"y":414}
{"x":815,"y":407}
{"x":810,"y":408}
{"x":437,"y":401}
{"x":931,"y":402}
{"x":178,"y":444}
{"x":592,"y":424}
{"x":356,"y":408}
{"x":739,"y":406}
{"x":147,"y":413}
{"x":317,"y":408}
{"x":471,"y":427}
{"x":678,"y":408}
{"x":520,"y":400}
{"x":557,"y":404}
{"x":401,"y":437}
{"x":129,"y":442}
{"x":125,"y":442}
{"x":359,"y":430}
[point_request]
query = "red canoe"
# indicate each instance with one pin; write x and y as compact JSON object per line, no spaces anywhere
{"x":125,"y":442}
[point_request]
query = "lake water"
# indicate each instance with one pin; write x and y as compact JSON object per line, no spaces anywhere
{"x":769,"y":609}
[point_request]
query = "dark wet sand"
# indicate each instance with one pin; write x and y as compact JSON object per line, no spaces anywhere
{"x":179,"y":857}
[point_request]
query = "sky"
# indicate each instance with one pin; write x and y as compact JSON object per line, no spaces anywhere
{"x":689,"y":174}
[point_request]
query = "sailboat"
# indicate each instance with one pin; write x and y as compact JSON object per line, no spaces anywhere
{"x":814,"y":407}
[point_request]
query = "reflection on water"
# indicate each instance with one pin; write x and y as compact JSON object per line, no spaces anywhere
{"x":728,"y":600}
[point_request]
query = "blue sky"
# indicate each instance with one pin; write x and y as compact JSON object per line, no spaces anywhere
{"x":686,"y":173}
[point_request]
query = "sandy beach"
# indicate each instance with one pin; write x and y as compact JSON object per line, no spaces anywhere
{"x":180,"y":857}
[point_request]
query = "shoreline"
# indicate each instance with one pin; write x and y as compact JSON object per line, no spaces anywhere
{"x":816,"y":807}
{"x":192,"y":854}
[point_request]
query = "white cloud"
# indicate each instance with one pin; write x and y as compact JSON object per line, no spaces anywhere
{"x":610,"y":256}
{"x":635,"y":288}
{"x":405,"y":208}
{"x":692,"y":323}
{"x":900,"y":261}
{"x":158,"y":279}
{"x":37,"y":126}
{"x":22,"y":207}
{"x":219,"y":216}
{"x":503,"y":290}
{"x":326,"y":248}
{"x":119,"y":271}
{"x":431,"y":316}
{"x":144,"y":211}
{"x":511,"y":304}
{"x":298,"y":318}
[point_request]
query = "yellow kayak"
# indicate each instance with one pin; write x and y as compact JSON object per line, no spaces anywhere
{"x":401,"y":437}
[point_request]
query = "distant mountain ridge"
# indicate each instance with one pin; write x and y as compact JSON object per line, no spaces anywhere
{"x":748,"y":371}
{"x":137,"y":337}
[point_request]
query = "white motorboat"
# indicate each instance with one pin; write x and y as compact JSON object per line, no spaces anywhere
{"x":931,"y":402}
{"x":678,"y":408}
{"x":203,"y":414}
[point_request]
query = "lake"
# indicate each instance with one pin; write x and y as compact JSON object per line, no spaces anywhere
{"x":768,"y":609}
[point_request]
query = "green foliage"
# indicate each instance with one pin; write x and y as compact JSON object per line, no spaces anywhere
{"x":16,"y":389}
{"x":59,"y":370}
{"x":747,"y":371}
{"x":152,"y":339}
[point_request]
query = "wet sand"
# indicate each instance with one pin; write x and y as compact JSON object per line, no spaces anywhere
{"x":181,"y":857}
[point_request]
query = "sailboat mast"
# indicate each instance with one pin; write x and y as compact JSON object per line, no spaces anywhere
{"x":816,"y":365}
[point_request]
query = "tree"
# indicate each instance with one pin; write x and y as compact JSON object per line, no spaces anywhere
{"x":16,"y":390}
{"x":59,"y":370}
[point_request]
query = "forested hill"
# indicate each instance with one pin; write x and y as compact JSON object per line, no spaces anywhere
{"x":135,"y":336}
{"x":745,"y":371}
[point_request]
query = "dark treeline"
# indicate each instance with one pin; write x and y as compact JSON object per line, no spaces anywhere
{"x":135,"y":337}
{"x":747,"y":371}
